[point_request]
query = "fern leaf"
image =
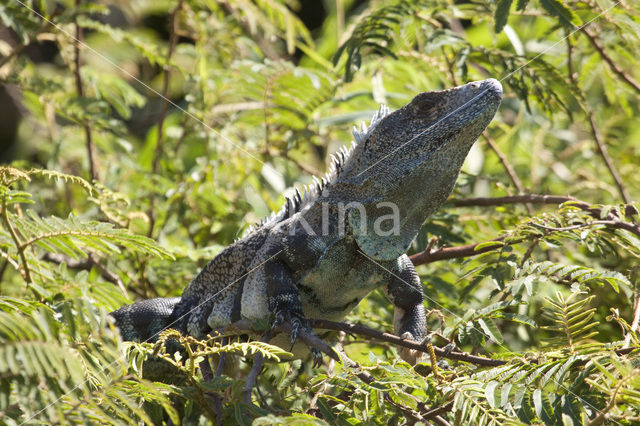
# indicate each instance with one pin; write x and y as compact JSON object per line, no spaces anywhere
{"x":64,"y":177}
{"x":572,"y":321}
{"x":374,"y":31}
{"x":501,"y":14}
{"x":564,"y":14}
{"x":72,"y":237}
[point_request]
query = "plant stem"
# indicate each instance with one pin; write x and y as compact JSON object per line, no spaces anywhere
{"x":19,"y":247}
{"x":93,"y":167}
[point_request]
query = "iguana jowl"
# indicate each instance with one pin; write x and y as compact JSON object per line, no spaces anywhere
{"x":325,"y":251}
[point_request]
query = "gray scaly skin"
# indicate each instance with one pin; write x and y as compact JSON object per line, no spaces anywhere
{"x":326,"y":250}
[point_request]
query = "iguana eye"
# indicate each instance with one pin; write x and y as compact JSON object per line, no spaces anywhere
{"x":426,"y":102}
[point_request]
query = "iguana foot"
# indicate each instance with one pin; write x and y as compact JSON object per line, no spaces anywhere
{"x":298,"y":324}
{"x":411,"y":356}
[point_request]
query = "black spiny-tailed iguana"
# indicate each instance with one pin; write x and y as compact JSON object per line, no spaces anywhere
{"x":346,"y":236}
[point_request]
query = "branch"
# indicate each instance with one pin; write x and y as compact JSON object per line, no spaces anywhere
{"x":86,"y":265}
{"x":614,"y":67}
{"x":512,"y":199}
{"x":507,"y":166}
{"x":93,"y":167}
{"x":437,"y":411}
{"x":604,"y":153}
{"x":429,"y":255}
{"x":399,"y":341}
{"x":173,"y":40}
{"x":602,"y":147}
{"x":258,"y":362}
{"x":595,"y":212}
{"x":26,"y":274}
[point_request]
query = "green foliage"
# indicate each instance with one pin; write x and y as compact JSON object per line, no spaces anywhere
{"x":259,"y":97}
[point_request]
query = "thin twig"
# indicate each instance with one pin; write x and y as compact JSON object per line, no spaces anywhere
{"x":437,"y":411}
{"x":595,"y":131}
{"x":614,"y":67}
{"x":399,"y":341}
{"x":86,"y":265}
{"x":604,"y":153}
{"x":258,"y":363}
{"x":26,"y":273}
{"x":93,"y":166}
{"x":508,"y":167}
{"x":173,"y":40}
{"x":611,"y":218}
{"x":635,"y":322}
{"x":444,"y":253}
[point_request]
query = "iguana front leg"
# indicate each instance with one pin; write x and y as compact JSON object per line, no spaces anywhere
{"x":404,"y":290}
{"x":284,"y":302}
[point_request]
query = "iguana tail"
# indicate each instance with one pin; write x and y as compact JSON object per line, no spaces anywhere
{"x":144,"y":320}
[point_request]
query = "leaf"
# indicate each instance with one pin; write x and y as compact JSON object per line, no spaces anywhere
{"x":376,"y":32}
{"x":543,"y":406}
{"x":558,"y":9}
{"x":501,"y":14}
{"x":491,"y":329}
{"x":493,"y":394}
{"x":72,"y":237}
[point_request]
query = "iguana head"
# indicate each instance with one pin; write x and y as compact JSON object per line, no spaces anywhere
{"x":411,"y":158}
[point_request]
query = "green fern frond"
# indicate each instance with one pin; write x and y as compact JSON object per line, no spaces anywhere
{"x":62,"y":177}
{"x":73,"y":237}
{"x":273,"y":18}
{"x":287,"y":96}
{"x":473,"y":403}
{"x":374,"y":32}
{"x":572,"y":320}
{"x":574,"y":274}
{"x":65,"y":365}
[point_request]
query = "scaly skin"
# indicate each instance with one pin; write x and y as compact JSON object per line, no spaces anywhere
{"x":320,"y":256}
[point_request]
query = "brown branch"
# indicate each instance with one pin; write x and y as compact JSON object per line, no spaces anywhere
{"x":433,"y":255}
{"x":595,"y":131}
{"x":512,"y":199}
{"x":444,"y":253}
{"x":399,"y":341}
{"x":173,"y":40}
{"x":570,"y":70}
{"x":26,"y":272}
{"x":91,"y":150}
{"x":508,"y":167}
{"x":431,"y":414}
{"x":258,"y":363}
{"x":604,"y":153}
{"x":86,"y":265}
{"x":611,"y":220}
{"x":614,"y":67}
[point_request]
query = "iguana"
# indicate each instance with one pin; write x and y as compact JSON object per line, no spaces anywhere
{"x":324,"y":251}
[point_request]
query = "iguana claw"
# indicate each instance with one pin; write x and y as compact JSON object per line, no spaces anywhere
{"x":298,"y":324}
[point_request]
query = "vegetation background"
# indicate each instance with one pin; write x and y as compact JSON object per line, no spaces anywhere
{"x":136,"y":137}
